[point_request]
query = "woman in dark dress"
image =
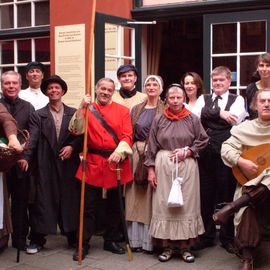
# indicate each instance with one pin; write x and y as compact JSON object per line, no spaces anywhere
{"x":262,"y":82}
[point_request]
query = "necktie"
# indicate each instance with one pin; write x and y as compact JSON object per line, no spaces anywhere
{"x":215,"y":103}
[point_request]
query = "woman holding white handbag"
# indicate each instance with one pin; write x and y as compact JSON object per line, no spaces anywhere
{"x":175,"y":139}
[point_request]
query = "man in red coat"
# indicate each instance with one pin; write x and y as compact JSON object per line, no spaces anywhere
{"x":104,"y":152}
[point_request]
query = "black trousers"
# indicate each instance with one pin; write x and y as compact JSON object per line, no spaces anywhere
{"x":217,"y":185}
{"x":18,"y":187}
{"x":93,"y":197}
{"x":40,"y":238}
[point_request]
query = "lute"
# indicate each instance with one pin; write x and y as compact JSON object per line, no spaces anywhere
{"x":260,"y":155}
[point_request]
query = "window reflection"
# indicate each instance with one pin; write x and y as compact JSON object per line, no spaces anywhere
{"x":24,"y":51}
{"x":42,"y":46}
{"x":42,"y":13}
{"x":253,"y":36}
{"x":224,"y":38}
{"x":24,"y":15}
{"x":25,"y":11}
{"x":247,"y":69}
{"x":6,"y":15}
{"x":7,"y":52}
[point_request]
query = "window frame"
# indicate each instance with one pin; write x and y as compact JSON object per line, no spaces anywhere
{"x":233,"y":17}
{"x":100,"y":21}
{"x":15,"y":5}
{"x":23,"y":33}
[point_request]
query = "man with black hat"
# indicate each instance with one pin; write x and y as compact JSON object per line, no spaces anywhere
{"x":128,"y":95}
{"x":56,"y":154}
{"x":33,"y":94}
{"x":18,"y":181}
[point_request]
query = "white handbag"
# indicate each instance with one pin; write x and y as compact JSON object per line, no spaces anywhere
{"x":175,"y":198}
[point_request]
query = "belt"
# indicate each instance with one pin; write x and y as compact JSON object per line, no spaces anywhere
{"x":103,"y":153}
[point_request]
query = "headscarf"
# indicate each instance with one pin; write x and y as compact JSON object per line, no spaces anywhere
{"x":155,"y":77}
{"x":175,"y":117}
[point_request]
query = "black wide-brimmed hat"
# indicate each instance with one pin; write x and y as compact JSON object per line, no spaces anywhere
{"x":37,"y":65}
{"x":125,"y":68}
{"x":53,"y":79}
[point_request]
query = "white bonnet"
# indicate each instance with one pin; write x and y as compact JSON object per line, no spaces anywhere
{"x":155,"y":77}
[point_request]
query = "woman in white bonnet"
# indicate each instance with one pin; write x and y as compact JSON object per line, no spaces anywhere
{"x":139,"y":197}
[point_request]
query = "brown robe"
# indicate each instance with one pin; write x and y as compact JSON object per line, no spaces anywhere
{"x":7,"y":127}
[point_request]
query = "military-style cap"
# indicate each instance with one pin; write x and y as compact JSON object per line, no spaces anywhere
{"x":125,"y":68}
{"x":37,"y":65}
{"x":53,"y":79}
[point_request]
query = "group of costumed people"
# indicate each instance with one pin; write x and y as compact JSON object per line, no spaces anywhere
{"x":192,"y":136}
{"x":48,"y":165}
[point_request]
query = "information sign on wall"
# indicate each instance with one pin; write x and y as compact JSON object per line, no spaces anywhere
{"x":70,"y":60}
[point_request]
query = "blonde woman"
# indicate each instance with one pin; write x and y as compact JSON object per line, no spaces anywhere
{"x":138,"y":197}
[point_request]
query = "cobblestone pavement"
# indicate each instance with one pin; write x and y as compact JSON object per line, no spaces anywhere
{"x":56,"y":255}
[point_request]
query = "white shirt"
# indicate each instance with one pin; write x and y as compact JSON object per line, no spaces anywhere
{"x":35,"y":97}
{"x":237,"y":108}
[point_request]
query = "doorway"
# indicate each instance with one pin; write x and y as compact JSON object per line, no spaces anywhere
{"x":181,"y":48}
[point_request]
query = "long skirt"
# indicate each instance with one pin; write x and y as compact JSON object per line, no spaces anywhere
{"x":138,"y":201}
{"x":177,"y":223}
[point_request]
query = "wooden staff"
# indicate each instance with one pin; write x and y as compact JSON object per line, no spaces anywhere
{"x":88,"y":91}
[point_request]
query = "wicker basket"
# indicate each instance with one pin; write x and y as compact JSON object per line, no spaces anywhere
{"x":9,"y":156}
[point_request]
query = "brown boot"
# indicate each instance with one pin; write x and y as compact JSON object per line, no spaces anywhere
{"x":247,"y":264}
{"x":221,"y":216}
{"x":247,"y":259}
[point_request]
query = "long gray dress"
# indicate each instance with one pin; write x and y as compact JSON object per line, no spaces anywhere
{"x":184,"y":222}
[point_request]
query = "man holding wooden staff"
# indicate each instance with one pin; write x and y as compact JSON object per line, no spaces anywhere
{"x":252,"y":197}
{"x":109,"y":140}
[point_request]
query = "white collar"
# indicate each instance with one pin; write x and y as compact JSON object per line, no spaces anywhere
{"x":223,"y":96}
